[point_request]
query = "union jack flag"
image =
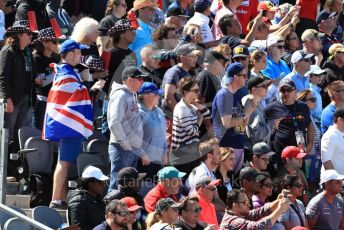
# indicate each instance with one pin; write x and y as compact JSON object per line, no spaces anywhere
{"x":69,"y":109}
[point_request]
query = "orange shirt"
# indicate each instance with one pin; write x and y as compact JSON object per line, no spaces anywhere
{"x":208,"y":213}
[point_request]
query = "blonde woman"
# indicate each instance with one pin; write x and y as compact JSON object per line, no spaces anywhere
{"x":164,"y":216}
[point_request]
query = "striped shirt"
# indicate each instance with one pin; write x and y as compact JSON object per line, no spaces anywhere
{"x":185,"y":129}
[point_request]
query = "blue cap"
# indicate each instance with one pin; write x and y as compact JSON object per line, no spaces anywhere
{"x":170,"y":172}
{"x":234,"y":69}
{"x":70,"y":45}
{"x":201,"y":5}
{"x":149,"y":87}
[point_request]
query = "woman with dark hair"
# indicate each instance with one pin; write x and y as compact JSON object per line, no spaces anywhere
{"x":165,"y":37}
{"x":17,"y":77}
{"x":188,"y":116}
{"x":295,"y":215}
{"x":46,"y":53}
{"x":265,"y":190}
{"x":85,"y":205}
{"x":292,"y":43}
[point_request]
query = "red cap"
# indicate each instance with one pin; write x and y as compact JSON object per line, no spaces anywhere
{"x":131,"y":203}
{"x":267,"y":6}
{"x":292,"y":151}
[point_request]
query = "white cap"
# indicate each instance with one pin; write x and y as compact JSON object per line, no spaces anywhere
{"x":330,"y":174}
{"x":259,"y":44}
{"x":299,"y":55}
{"x":94,"y":172}
{"x":274,"y":39}
{"x":314,"y":69}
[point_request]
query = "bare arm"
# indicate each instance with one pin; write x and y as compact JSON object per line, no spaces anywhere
{"x":169,"y":96}
{"x":228,"y":121}
{"x":252,"y":33}
{"x":310,"y":137}
{"x":101,"y":43}
{"x":328,"y":165}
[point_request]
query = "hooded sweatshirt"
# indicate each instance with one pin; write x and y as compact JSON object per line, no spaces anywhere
{"x":36,"y":5}
{"x":55,"y":10}
{"x":123,"y":117}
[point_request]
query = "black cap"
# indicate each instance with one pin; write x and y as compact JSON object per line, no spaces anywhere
{"x":286,"y":82}
{"x":129,"y":173}
{"x":325,"y":14}
{"x":339,"y":113}
{"x":133,"y":72}
{"x":165,"y":203}
{"x":175,"y":11}
{"x":275,"y":111}
{"x":257,"y":80}
{"x":248,"y":173}
{"x":211,"y":56}
{"x":262,"y":148}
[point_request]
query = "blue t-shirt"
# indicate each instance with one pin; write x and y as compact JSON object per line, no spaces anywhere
{"x":327,"y":117}
{"x":301,"y":82}
{"x":225,"y":103}
{"x":273,"y":69}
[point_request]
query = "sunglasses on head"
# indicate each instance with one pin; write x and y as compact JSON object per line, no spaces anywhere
{"x":122,"y":213}
{"x":312,"y":99}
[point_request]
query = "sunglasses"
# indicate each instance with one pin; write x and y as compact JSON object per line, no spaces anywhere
{"x":263,"y":86}
{"x":246,"y":202}
{"x":54,"y":41}
{"x":242,"y":75}
{"x":268,"y":185}
{"x":298,"y":185}
{"x":195,"y":210}
{"x":312,"y":99}
{"x":279,"y":47}
{"x":237,"y":59}
{"x":175,"y":209}
{"x":341,"y":90}
{"x":289,"y":90}
{"x":210,"y":188}
{"x":122,"y":213}
{"x":265,"y":158}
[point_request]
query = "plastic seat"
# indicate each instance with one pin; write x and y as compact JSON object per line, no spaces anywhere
{"x":4,"y":216}
{"x":47,"y":216}
{"x":17,"y":224}
{"x":86,"y":159}
{"x":25,"y":133}
{"x":102,"y":148}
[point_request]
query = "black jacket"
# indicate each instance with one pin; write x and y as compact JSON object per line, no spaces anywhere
{"x":334,"y":73}
{"x":36,"y":5}
{"x":14,"y":82}
{"x":85,"y":210}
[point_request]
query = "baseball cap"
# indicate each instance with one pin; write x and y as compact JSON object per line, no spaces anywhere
{"x":176,"y":11}
{"x":310,"y":34}
{"x":267,"y":6}
{"x":93,"y":172}
{"x":248,"y":173}
{"x":201,"y":5}
{"x":300,"y":55}
{"x":274,"y":39}
{"x":187,"y":48}
{"x":211,"y":56}
{"x":129,"y":173}
{"x":170,"y":172}
{"x":70,"y":45}
{"x":314,"y":69}
{"x":205,"y":181}
{"x":149,"y":87}
{"x":275,"y":111}
{"x":133,"y":72}
{"x":262,"y":148}
{"x":256,"y":81}
{"x":165,"y":203}
{"x":292,"y":152}
{"x":131,"y":203}
{"x":335,"y":48}
{"x":240,"y":51}
{"x":325,"y":14}
{"x":330,"y":174}
{"x":286,"y":82}
{"x":234,"y":68}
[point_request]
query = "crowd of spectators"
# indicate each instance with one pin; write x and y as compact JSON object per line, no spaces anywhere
{"x":222,"y":114}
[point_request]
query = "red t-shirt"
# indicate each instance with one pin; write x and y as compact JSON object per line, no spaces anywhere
{"x":154,"y":195}
{"x":308,"y":8}
{"x":246,"y":12}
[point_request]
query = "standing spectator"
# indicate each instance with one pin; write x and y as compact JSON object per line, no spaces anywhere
{"x":144,"y":10}
{"x":296,"y":128}
{"x":2,"y":22}
{"x":170,"y":180}
{"x":154,"y":146}
{"x":228,"y":114}
{"x":312,"y":44}
{"x":265,"y":190}
{"x":115,"y":10}
{"x":69,"y":131}
{"x":176,"y":17}
{"x":247,"y":12}
{"x":261,"y":157}
{"x":124,"y":123}
{"x":301,"y":63}
{"x":328,"y":200}
{"x":205,"y":192}
{"x":312,"y":160}
{"x":46,"y":53}
{"x":238,"y":214}
{"x":116,"y":216}
{"x":17,"y":77}
{"x":201,"y":18}
{"x":85,"y":207}
{"x":38,"y":6}
{"x":292,"y":43}
{"x":224,"y":172}
{"x":188,"y":116}
{"x":334,"y":66}
{"x":332,"y":144}
{"x":165,"y":215}
{"x":150,"y":64}
{"x":295,"y":215}
{"x":184,"y":4}
{"x":308,"y":14}
{"x":55,"y":10}
{"x":336,"y":92}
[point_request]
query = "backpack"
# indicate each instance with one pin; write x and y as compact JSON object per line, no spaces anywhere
{"x":41,"y":186}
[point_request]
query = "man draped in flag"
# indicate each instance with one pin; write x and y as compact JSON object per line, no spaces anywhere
{"x":68,"y":118}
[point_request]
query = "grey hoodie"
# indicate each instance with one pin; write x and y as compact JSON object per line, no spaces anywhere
{"x":123,"y":117}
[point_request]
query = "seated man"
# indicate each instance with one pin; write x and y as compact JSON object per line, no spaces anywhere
{"x":239,"y":216}
{"x":167,"y":187}
{"x":261,"y":156}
